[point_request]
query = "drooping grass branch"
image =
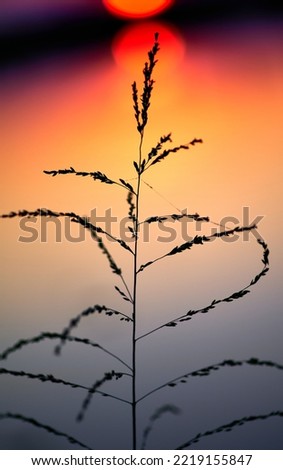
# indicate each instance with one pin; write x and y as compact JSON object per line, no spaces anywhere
{"x":74,"y":322}
{"x":155,"y":417}
{"x":58,"y":381}
{"x":163,"y":218}
{"x":205,"y":371}
{"x":42,"y":378}
{"x":230,"y":426}
{"x":115,"y":269}
{"x":197,"y":240}
{"x":46,"y":427}
{"x":84,"y":221}
{"x":47,"y":335}
{"x":97,"y":384}
{"x":94,"y":230}
{"x":231,"y":298}
{"x":127,"y":298}
{"x":95,"y":175}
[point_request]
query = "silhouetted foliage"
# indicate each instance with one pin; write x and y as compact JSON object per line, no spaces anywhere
{"x":157,"y":154}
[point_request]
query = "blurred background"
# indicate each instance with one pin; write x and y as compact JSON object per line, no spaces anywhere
{"x":65,"y":100}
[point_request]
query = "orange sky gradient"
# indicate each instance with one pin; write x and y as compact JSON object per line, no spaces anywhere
{"x":221,"y":85}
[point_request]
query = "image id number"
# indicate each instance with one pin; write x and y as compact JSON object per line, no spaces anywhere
{"x":207,"y":460}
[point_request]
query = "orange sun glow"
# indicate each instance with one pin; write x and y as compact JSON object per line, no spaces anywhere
{"x":131,"y":42}
{"x":137,"y":8}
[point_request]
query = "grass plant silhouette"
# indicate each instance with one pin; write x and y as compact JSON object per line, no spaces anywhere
{"x":158,"y":154}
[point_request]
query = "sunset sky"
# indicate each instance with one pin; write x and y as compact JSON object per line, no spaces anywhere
{"x":220,"y":80}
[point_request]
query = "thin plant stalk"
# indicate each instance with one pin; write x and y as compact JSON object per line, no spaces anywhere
{"x":141,"y":116}
{"x":135,"y":278}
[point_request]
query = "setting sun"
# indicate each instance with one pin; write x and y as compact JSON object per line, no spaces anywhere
{"x":138,"y":8}
{"x":132,"y":40}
